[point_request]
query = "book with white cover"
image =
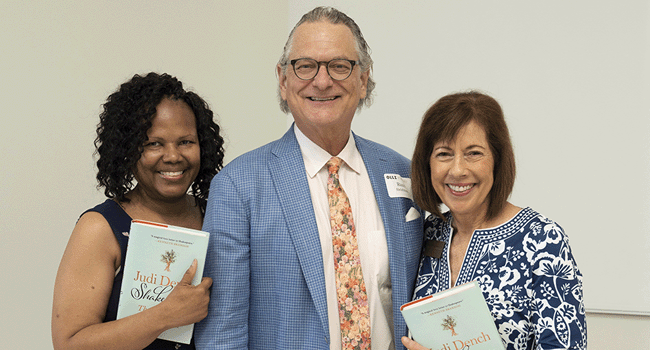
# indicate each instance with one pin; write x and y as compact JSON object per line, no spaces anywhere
{"x":157,"y":257}
{"x":453,"y":319}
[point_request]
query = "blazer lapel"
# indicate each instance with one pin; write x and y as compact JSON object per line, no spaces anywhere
{"x":391,"y":209}
{"x":393,"y":214}
{"x":290,"y":179}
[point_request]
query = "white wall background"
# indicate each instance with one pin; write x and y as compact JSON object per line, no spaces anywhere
{"x":574,"y":81}
{"x":573,"y":78}
{"x":59,"y":60}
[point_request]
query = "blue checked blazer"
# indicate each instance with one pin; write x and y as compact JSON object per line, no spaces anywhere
{"x":265,"y":255}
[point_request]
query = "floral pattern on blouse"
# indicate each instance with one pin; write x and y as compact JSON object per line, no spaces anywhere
{"x":528,"y":277}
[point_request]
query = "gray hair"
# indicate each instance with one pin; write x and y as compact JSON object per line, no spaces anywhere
{"x":334,"y":16}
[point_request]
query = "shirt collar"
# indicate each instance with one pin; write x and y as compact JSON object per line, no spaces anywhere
{"x":315,"y":157}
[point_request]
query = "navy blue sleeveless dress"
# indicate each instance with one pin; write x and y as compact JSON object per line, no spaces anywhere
{"x":120,"y":223}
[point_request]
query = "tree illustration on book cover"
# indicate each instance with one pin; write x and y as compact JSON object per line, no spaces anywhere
{"x":449,"y":323}
{"x":168,"y":258}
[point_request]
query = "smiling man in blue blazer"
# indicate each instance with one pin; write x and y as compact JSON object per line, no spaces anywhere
{"x":270,"y":253}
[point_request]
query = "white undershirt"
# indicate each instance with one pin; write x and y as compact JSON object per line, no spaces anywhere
{"x":371,"y":237}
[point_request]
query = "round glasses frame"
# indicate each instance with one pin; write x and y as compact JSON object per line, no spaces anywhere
{"x":328,"y":64}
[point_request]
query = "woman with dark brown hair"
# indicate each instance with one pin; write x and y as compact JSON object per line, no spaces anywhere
{"x":522,"y":260}
{"x":158,"y":149}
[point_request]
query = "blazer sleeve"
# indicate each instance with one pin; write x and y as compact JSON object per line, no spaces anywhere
{"x":228,"y":264}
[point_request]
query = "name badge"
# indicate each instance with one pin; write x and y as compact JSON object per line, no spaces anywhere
{"x":398,"y":187}
{"x":434,"y":249}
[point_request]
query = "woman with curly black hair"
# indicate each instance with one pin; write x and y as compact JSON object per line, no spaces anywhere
{"x":158,"y":150}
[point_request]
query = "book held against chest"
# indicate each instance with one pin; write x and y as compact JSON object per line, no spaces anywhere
{"x":157,"y":257}
{"x":454,"y":319}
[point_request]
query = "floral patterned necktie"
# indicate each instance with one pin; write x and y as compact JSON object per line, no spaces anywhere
{"x":350,"y":288}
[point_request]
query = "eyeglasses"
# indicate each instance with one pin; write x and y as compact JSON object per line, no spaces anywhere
{"x":307,"y":68}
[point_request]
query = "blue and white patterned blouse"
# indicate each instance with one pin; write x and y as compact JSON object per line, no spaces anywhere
{"x":528,"y":277}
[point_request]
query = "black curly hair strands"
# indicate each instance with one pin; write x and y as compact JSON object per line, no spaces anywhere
{"x":123,"y":126}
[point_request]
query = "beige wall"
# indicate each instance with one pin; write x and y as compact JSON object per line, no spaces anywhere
{"x":608,"y":332}
{"x":60,"y":60}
